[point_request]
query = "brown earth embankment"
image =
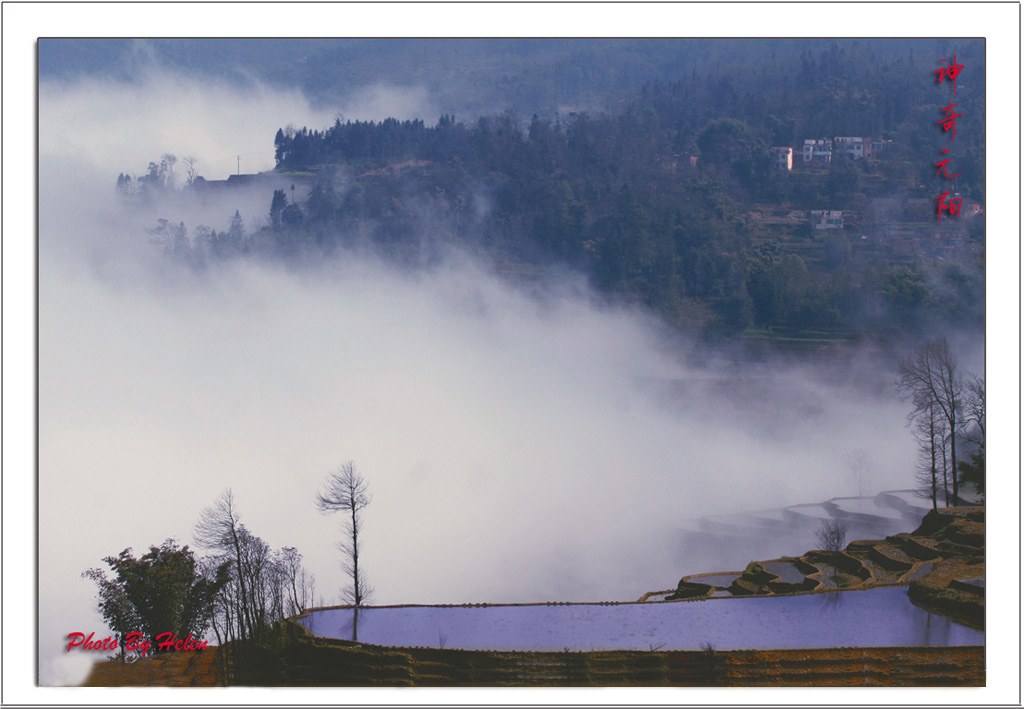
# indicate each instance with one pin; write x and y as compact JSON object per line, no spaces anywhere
{"x":200,"y":668}
{"x":306,"y":661}
{"x":315,"y":662}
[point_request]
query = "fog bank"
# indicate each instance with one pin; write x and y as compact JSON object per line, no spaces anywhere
{"x":519,"y":446}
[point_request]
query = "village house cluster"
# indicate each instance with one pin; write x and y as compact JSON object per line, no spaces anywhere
{"x":822,"y":151}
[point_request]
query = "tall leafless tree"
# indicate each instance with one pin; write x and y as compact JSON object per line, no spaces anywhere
{"x":930,"y":431}
{"x":191,"y":170}
{"x":930,"y":377}
{"x":220,"y":530}
{"x":345,"y":490}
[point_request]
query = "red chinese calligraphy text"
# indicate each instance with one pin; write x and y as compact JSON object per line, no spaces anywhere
{"x":942,"y":166}
{"x":949,"y":72}
{"x":953,"y":206}
{"x":949,"y":122}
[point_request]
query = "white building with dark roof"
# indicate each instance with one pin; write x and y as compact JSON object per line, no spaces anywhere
{"x":853,"y":148}
{"x":818,"y":150}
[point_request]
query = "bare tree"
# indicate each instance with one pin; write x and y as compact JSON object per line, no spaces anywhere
{"x":930,"y":431}
{"x":974,"y":409}
{"x":345,"y":490}
{"x":264,"y":585}
{"x":257,"y":576}
{"x":297,"y":583}
{"x":219,"y":529}
{"x":859,"y":464}
{"x":831,"y":535}
{"x":930,"y":376}
{"x":167,"y":162}
{"x":191,"y":170}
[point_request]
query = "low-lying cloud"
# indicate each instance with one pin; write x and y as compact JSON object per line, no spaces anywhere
{"x":122,"y":126}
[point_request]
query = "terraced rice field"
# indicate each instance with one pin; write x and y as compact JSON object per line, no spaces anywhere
{"x":721,"y":580}
{"x":919,"y":571}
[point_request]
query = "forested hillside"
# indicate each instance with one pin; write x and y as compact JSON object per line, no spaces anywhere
{"x":676,"y":199}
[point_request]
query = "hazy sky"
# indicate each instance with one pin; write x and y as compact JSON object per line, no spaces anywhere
{"x":518,"y":447}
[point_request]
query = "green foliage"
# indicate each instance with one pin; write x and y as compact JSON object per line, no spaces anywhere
{"x":906,"y":291}
{"x":725,"y":140}
{"x":118,"y":612}
{"x":161,"y":591}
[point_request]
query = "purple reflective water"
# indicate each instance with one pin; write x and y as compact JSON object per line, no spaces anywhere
{"x":786,"y":571}
{"x":876,"y":617}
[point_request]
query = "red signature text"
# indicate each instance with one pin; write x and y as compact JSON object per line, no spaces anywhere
{"x":87,"y":643}
{"x":136,"y":642}
{"x":171,"y":642}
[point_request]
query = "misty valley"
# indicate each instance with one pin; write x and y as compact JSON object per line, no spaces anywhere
{"x":469,"y":362}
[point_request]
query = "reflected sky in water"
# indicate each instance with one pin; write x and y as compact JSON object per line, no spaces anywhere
{"x":876,"y":617}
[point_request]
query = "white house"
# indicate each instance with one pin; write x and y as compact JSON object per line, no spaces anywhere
{"x":817,"y":150}
{"x":852,"y":147}
{"x":783,"y":158}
